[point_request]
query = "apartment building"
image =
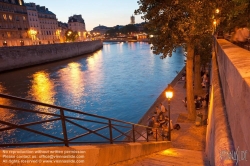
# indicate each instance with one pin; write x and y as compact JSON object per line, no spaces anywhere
{"x":13,"y":23}
{"x":49,"y":26}
{"x":62,"y":28}
{"x":77,"y":24}
{"x":34,"y":23}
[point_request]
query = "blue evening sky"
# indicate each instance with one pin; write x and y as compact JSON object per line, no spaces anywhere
{"x":94,"y":12}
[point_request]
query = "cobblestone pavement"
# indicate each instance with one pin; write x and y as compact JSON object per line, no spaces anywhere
{"x":188,"y":142}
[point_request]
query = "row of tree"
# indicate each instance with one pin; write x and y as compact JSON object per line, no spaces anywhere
{"x":128,"y":29}
{"x":189,"y":24}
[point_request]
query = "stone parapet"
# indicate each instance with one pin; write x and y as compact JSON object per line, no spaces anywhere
{"x":88,"y":155}
{"x":234,"y":74}
{"x":25,"y":56}
{"x":218,"y":137}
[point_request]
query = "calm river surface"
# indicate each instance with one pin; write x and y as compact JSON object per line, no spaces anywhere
{"x":120,"y":81}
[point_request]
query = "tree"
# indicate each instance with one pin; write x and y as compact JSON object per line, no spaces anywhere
{"x":128,"y":29}
{"x":203,"y":51}
{"x":71,"y":36}
{"x":177,"y":23}
{"x":233,"y":13}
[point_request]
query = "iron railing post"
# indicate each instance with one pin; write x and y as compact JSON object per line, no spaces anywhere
{"x":147,"y":133}
{"x":110,"y":132}
{"x":133,"y":133}
{"x":66,"y":142}
{"x":156,"y":135}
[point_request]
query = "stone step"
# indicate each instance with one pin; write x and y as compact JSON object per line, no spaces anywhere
{"x":171,"y":157}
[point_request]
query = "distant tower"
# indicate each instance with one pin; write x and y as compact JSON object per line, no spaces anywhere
{"x":132,"y":20}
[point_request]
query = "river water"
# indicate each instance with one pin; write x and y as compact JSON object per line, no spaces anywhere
{"x":120,"y":81}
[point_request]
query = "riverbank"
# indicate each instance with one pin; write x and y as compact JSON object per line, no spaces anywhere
{"x":161,"y":98}
{"x":190,"y":136}
{"x":26,"y":56}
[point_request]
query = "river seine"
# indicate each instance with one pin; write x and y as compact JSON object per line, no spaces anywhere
{"x":120,"y":81}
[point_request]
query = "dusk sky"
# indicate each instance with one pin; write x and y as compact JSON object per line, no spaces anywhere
{"x":94,"y":12}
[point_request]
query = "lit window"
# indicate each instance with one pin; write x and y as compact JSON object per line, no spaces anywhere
{"x":10,"y":17}
{"x":4,"y":17}
{"x":20,"y":2}
{"x":24,"y":18}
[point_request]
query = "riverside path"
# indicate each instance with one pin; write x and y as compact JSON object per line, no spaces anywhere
{"x":188,"y":142}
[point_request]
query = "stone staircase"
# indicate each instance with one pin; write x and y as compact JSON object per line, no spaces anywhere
{"x":170,"y":157}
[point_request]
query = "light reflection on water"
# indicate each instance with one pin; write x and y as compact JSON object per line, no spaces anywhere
{"x":120,"y":81}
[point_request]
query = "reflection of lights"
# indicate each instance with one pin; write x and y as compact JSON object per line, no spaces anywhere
{"x":6,"y":115}
{"x":73,"y":80}
{"x":42,"y":90}
{"x":92,"y":60}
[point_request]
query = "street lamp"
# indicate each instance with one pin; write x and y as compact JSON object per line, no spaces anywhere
{"x":169,"y":95}
{"x":217,"y":11}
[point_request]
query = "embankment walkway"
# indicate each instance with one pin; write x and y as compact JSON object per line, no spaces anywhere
{"x":188,"y":142}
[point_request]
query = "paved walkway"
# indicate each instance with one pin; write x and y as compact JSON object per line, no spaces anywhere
{"x":170,"y":157}
{"x":188,"y":142}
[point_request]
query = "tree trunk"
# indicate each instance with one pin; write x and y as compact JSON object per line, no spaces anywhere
{"x":197,"y":75}
{"x":189,"y":79}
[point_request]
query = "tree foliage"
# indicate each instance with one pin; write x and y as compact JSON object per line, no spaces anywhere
{"x":130,"y":28}
{"x":233,"y":13}
{"x":71,"y":36}
{"x":176,"y":22}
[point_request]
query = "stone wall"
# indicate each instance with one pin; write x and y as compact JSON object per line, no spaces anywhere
{"x":218,"y":137}
{"x":18,"y":57}
{"x":234,"y":72}
{"x":90,"y":155}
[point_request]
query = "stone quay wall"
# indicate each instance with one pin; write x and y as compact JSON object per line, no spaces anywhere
{"x":90,"y":155}
{"x":234,"y":74}
{"x":18,"y":57}
{"x":218,"y":137}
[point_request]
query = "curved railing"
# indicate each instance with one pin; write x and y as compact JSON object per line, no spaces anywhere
{"x":107,"y":130}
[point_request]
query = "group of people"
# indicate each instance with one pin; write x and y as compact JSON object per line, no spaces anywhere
{"x":240,"y":35}
{"x":159,"y":119}
{"x":198,"y":101}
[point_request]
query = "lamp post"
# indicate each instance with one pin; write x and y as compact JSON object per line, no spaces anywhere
{"x":169,"y":95}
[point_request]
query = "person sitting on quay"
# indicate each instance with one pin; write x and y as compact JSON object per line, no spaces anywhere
{"x":165,"y":128}
{"x":157,"y":111}
{"x":151,"y":123}
{"x":163,"y":109}
{"x":161,"y":119}
{"x":164,"y":131}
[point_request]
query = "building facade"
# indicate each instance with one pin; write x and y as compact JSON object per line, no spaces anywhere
{"x":77,"y":24}
{"x":100,"y":29}
{"x":49,"y":26}
{"x":34,"y":23}
{"x":62,"y":29}
{"x":13,"y":23}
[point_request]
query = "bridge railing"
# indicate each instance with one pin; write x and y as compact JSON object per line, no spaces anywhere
{"x":35,"y":123}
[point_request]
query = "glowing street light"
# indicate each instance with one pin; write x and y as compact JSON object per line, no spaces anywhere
{"x":217,"y":11}
{"x":169,"y":95}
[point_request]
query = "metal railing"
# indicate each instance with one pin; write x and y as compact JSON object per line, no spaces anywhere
{"x":107,"y":130}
